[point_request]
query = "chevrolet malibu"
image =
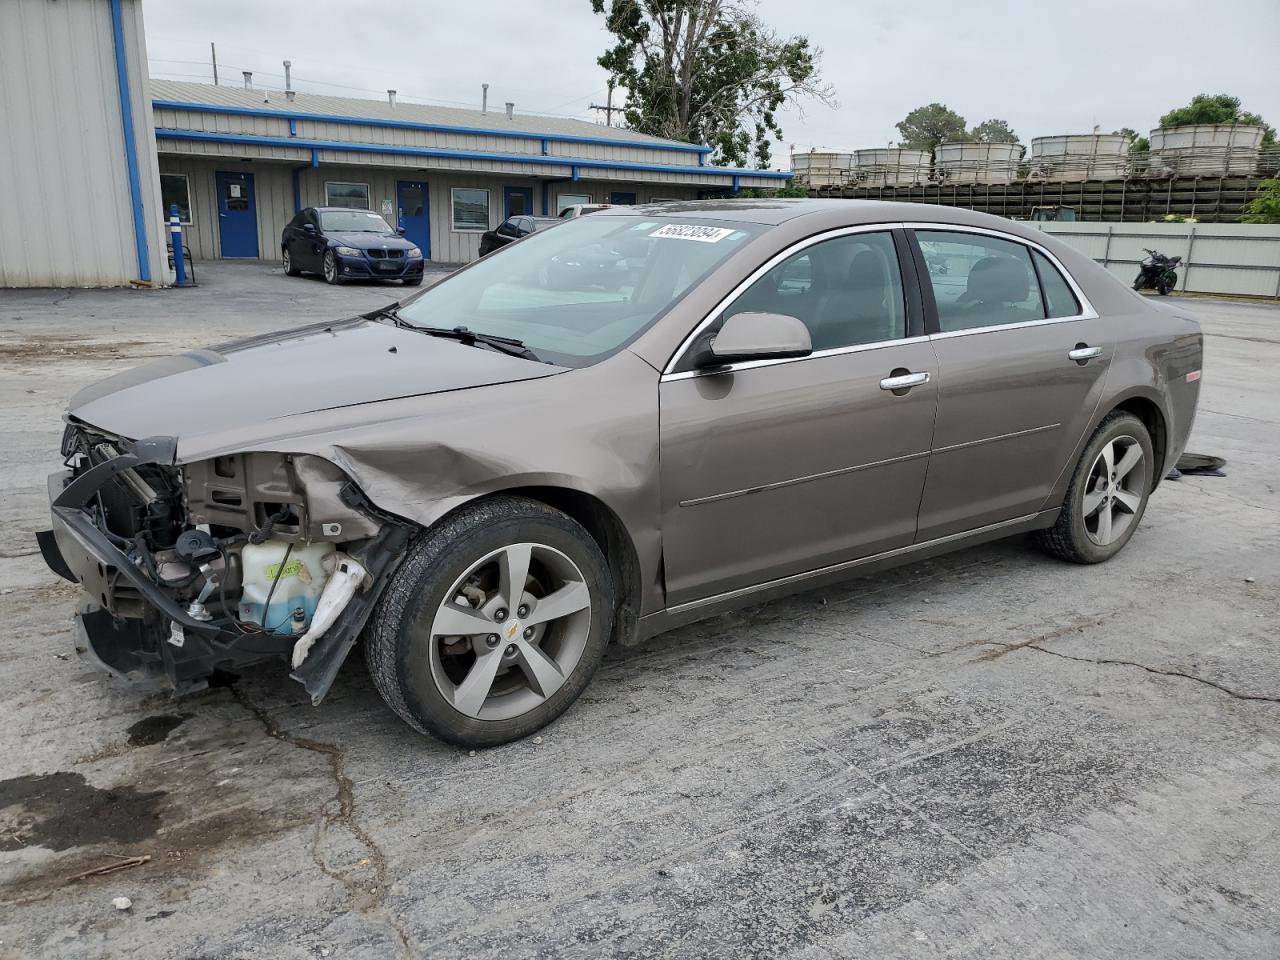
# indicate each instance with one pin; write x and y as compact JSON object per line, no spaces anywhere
{"x":490,"y":482}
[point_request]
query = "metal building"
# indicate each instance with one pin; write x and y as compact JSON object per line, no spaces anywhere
{"x":242,"y":161}
{"x":77,"y":147}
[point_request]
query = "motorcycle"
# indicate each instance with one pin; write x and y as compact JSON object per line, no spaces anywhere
{"x":1157,"y":272}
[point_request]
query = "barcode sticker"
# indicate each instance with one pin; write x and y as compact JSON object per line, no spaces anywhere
{"x":692,"y":231}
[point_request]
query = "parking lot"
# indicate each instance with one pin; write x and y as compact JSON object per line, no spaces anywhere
{"x":992,"y":754}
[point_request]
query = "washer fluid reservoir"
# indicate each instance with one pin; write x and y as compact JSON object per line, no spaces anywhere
{"x":302,"y":574}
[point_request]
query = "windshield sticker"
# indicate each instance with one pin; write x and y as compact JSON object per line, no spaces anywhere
{"x":690,"y":231}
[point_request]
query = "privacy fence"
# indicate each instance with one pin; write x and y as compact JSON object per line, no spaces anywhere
{"x":1232,"y":258}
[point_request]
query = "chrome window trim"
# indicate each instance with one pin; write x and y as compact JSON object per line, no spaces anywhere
{"x":1087,"y":312}
{"x":816,"y":355}
{"x":755,"y":275}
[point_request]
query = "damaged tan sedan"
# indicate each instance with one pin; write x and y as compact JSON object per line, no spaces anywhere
{"x":613,"y":427}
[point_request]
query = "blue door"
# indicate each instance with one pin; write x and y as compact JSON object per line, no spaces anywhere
{"x":237,"y":214}
{"x":411,"y":199}
{"x":517,"y":202}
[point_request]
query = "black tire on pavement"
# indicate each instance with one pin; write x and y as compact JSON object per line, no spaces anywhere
{"x":1070,"y":538}
{"x":399,"y":642}
{"x":331,"y":274}
{"x":289,"y":269}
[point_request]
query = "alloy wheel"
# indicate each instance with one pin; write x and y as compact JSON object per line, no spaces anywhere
{"x":288,"y":263}
{"x":1115,"y":490}
{"x":510,"y":631}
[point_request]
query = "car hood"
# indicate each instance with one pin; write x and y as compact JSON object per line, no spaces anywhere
{"x":309,"y":369}
{"x":365,"y":241}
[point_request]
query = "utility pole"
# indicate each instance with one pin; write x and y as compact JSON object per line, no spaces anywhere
{"x":213,"y":52}
{"x":608,"y":108}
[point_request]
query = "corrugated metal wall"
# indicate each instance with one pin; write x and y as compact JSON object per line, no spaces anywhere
{"x":1232,"y":258}
{"x":67,"y":216}
{"x":273,"y":186}
{"x":174,"y":119}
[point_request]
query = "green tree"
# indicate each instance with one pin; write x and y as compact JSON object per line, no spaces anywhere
{"x":993,"y":131}
{"x":1138,"y":144}
{"x":1265,"y":207}
{"x":1216,"y":108}
{"x":926,"y":127}
{"x":709,"y":72}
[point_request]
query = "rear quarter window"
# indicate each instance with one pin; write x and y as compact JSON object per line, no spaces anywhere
{"x":1059,"y":300}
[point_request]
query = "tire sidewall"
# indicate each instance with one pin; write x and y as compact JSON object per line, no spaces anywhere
{"x":432,"y":568}
{"x":330,"y":259}
{"x":1111,"y":429}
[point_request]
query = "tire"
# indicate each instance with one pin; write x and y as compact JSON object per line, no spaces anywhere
{"x":289,"y":269}
{"x":330,"y":267}
{"x":413,"y":281}
{"x":1077,"y":536}
{"x":451,"y":578}
{"x":1166,"y":284}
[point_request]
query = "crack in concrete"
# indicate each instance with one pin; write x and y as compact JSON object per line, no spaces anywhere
{"x":367,"y":900}
{"x":1105,"y":661}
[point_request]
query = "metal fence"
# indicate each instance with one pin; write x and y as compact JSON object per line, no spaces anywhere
{"x":1232,"y":258}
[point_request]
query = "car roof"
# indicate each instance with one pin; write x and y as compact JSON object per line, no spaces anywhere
{"x":771,"y":211}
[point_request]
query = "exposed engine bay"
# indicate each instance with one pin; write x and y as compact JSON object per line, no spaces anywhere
{"x":206,"y":566}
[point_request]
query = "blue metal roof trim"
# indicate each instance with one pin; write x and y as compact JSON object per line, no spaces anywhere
{"x":429,"y":127}
{"x":201,"y":136}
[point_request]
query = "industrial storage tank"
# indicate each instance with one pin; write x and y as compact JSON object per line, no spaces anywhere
{"x":821,"y":168}
{"x":1205,"y":150}
{"x":1085,"y":156}
{"x":890,"y":167}
{"x":971,"y":162}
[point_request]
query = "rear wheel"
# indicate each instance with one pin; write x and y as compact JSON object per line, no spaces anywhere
{"x":494,"y":623}
{"x":289,"y":269}
{"x":1166,"y":284}
{"x":1108,"y":493}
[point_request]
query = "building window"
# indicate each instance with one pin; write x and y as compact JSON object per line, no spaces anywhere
{"x":564,"y":200}
{"x":355,"y":195}
{"x":470,"y":208}
{"x":174,"y":189}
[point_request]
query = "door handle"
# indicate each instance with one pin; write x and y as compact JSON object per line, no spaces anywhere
{"x":904,"y":381}
{"x":1083,"y":353}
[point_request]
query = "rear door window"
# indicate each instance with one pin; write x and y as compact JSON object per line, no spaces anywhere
{"x":979,"y":280}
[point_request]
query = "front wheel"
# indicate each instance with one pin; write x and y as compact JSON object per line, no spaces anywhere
{"x":1108,"y":493}
{"x":330,"y":267}
{"x":413,"y":281}
{"x":494,"y":623}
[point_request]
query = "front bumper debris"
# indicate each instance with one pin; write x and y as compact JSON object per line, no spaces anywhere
{"x":158,"y":642}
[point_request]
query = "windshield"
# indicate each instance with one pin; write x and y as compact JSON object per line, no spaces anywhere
{"x":353,"y":221}
{"x":584,"y":289}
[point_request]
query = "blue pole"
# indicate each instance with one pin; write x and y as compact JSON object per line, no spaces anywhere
{"x":130,"y":146}
{"x":175,"y":231}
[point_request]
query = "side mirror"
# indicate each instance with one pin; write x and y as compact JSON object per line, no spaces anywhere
{"x":757,"y":336}
{"x":309,"y":227}
{"x":399,"y":231}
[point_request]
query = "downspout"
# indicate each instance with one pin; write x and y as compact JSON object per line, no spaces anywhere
{"x":130,"y":146}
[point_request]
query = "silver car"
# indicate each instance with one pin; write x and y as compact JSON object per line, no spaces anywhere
{"x":641,"y":418}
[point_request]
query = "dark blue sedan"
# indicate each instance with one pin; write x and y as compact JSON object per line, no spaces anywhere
{"x":345,"y":244}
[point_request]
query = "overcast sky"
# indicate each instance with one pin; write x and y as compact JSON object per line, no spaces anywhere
{"x":1045,"y":68}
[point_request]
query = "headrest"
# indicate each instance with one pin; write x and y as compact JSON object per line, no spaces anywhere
{"x":866,"y":270}
{"x":998,"y":280}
